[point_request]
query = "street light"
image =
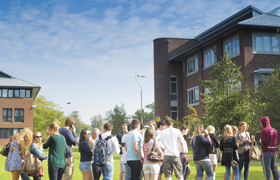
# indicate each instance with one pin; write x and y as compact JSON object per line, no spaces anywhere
{"x":67,"y":107}
{"x":142,"y":76}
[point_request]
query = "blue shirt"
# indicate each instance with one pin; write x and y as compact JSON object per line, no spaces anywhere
{"x":86,"y":153}
{"x":131,"y":137}
{"x":70,"y":138}
{"x":200,"y":148}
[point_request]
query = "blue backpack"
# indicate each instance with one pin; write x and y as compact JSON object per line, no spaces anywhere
{"x":101,"y":151}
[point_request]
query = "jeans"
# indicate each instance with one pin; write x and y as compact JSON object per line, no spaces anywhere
{"x":244,"y":158}
{"x":183,"y":160}
{"x":24,"y":176}
{"x":55,"y":173}
{"x":96,"y":171}
{"x":269,"y":162}
{"x":135,"y":168}
{"x":127,"y":171}
{"x":204,"y":166}
{"x":236,"y":171}
{"x":107,"y":171}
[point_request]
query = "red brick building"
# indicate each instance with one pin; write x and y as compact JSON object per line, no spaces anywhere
{"x":250,"y":37}
{"x":16,"y":105}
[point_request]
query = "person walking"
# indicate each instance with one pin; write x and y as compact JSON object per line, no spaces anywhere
{"x":213,"y":149}
{"x":170,"y":137}
{"x":268,"y":140}
{"x":113,"y":146}
{"x":200,"y":143}
{"x":243,"y":137}
{"x":57,"y":150}
{"x":95,"y":169}
{"x":36,"y":149}
{"x":69,"y":133}
{"x":17,"y":151}
{"x":151,"y":169}
{"x":184,"y":155}
{"x":86,"y":155}
{"x":229,"y":146}
{"x":133,"y":144}
{"x":119,"y":137}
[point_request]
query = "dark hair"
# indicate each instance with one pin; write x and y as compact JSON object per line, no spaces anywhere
{"x":169,"y":122}
{"x":82,"y":138}
{"x":142,"y":126}
{"x":184,"y":127}
{"x":149,"y":134}
{"x":108,"y":126}
{"x":125,"y":122}
{"x":69,"y":121}
{"x":134,"y":123}
{"x":128,"y":127}
{"x":160,"y":123}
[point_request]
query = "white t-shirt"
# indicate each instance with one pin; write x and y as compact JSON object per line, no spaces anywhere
{"x":185,"y":146}
{"x":123,"y":149}
{"x":170,"y":138}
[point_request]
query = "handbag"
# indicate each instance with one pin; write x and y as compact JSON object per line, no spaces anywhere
{"x":5,"y":150}
{"x":254,"y":151}
{"x":154,"y":155}
{"x":234,"y":163}
{"x":31,"y":164}
{"x":219,"y":156}
{"x":68,"y":167}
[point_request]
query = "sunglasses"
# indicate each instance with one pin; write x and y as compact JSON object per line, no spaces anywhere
{"x":38,"y":136}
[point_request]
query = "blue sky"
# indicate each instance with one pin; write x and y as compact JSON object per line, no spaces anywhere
{"x":88,"y":52}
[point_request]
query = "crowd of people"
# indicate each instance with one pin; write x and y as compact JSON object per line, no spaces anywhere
{"x":135,"y":146}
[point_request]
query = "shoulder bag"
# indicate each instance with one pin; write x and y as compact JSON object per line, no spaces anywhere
{"x":68,"y":167}
{"x":233,"y":163}
{"x":5,"y":150}
{"x":31,"y":164}
{"x":254,"y":151}
{"x":154,"y":155}
{"x":219,"y":156}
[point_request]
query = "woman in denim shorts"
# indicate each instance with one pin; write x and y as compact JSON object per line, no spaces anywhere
{"x":86,"y":155}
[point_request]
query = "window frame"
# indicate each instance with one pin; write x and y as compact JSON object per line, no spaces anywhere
{"x":196,"y":101}
{"x":206,"y":51}
{"x":195,"y":59}
{"x":7,"y":114}
{"x":232,"y":39}
{"x":19,"y":117}
{"x":255,"y":35}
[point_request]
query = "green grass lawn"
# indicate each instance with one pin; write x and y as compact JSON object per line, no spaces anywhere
{"x":256,"y":172}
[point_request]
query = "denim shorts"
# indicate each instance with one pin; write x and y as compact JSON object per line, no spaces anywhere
{"x":85,"y":166}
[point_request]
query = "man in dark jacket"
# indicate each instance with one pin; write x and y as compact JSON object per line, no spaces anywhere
{"x":269,"y":147}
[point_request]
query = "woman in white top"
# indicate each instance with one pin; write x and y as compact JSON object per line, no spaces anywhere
{"x":95,"y":169}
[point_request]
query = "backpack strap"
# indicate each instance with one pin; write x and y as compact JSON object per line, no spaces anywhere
{"x":100,"y":137}
{"x":108,"y":137}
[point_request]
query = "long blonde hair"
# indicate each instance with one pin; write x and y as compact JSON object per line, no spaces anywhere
{"x":26,"y":134}
{"x":227,"y":131}
{"x":34,"y":139}
{"x":197,"y":131}
{"x":55,"y":126}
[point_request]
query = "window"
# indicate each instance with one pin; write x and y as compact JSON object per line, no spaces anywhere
{"x":192,"y":65}
{"x":232,"y":45}
{"x":174,"y":113}
{"x":22,"y":93}
{"x":28,"y":93}
{"x":266,"y":43}
{"x":16,"y":93}
{"x":0,"y":92}
{"x":7,"y":114}
{"x":19,"y":115}
{"x":4,"y":92}
{"x":11,"y":93}
{"x":193,"y":96}
{"x":173,"y":88}
{"x":260,"y":75}
{"x":6,"y":133}
{"x":210,"y":57}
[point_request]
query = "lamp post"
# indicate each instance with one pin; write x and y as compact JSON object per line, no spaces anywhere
{"x":67,"y":107}
{"x":142,"y":76}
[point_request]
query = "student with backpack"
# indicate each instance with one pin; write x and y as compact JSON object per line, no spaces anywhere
{"x":103,"y":148}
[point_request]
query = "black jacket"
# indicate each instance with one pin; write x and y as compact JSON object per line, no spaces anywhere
{"x":215,"y":144}
{"x":228,"y":147}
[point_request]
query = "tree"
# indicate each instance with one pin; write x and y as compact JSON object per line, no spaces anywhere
{"x":148,"y":116}
{"x":79,"y":124}
{"x":97,"y":122}
{"x":45,"y":113}
{"x":226,"y":104}
{"x":116,"y":116}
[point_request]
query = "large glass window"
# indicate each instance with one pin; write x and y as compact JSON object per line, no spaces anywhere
{"x":16,"y":93}
{"x":19,"y":115}
{"x":192,"y":65}
{"x":6,"y":133}
{"x":193,"y":96}
{"x":266,"y":43}
{"x":209,"y":57}
{"x":7,"y":114}
{"x":232,"y":45}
